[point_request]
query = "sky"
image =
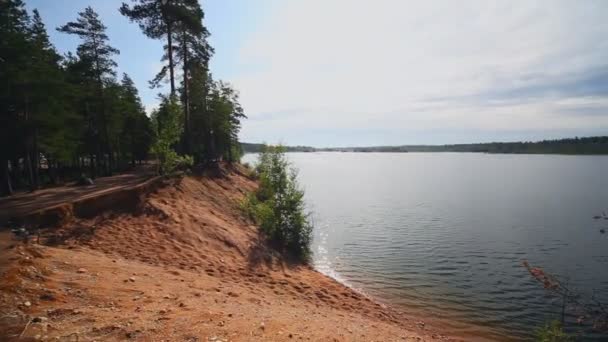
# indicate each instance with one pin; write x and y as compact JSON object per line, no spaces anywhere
{"x":389,"y":72}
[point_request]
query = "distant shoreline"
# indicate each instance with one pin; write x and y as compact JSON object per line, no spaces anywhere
{"x":440,"y":152}
{"x":570,"y":146}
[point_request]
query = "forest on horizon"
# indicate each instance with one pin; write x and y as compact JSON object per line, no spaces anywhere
{"x":587,"y":145}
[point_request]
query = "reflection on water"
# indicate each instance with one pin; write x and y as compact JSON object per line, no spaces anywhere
{"x":446,"y":233}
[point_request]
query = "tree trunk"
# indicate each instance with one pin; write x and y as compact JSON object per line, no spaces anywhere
{"x":28,"y":150}
{"x":103,"y":112}
{"x":187,"y":139}
{"x":16,"y":177}
{"x":99,"y":163}
{"x":7,"y":186}
{"x":170,"y":55}
{"x":36,"y":159}
{"x":92,"y":166}
{"x":106,"y":134}
{"x":30,"y":171}
{"x":52,"y":174}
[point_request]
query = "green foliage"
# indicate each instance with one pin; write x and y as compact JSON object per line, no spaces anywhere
{"x":169,"y":127}
{"x":136,"y":133}
{"x":552,"y":332}
{"x":170,"y":19}
{"x":65,"y":116}
{"x":216,"y":116}
{"x":257,"y":148}
{"x":94,"y":46}
{"x":278,"y":204}
{"x":212,"y":112}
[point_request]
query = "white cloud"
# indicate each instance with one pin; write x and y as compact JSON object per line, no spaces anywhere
{"x":422,"y":65}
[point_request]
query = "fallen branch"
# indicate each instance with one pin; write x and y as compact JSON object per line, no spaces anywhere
{"x":26,"y":326}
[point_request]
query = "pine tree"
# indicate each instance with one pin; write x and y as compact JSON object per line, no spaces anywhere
{"x":179,"y":21}
{"x":136,"y":134}
{"x":200,"y":81}
{"x":64,"y":115}
{"x":194,"y":50}
{"x":47,"y":109}
{"x":14,"y":49}
{"x":83,"y":95}
{"x":95,"y":48}
{"x":157,"y":19}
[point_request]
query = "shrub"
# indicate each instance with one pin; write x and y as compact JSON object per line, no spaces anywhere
{"x":278,"y":204}
{"x":552,"y":332}
{"x":167,"y":121}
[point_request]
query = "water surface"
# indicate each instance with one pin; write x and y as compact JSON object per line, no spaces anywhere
{"x":445,"y":233}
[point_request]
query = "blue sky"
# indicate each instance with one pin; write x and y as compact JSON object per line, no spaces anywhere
{"x":355,"y":72}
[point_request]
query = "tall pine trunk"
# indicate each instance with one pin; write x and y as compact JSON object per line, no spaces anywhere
{"x":187,"y":138}
{"x":36,"y":160}
{"x":28,"y":147}
{"x":16,"y":172}
{"x":92,"y":169}
{"x":104,"y":121}
{"x":7,"y":187}
{"x":170,"y":53}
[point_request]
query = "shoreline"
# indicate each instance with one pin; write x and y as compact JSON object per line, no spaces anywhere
{"x":467,"y":331}
{"x":186,"y":259}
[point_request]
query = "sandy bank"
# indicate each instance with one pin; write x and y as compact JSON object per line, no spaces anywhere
{"x":183,"y":266}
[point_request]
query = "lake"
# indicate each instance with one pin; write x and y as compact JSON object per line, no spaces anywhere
{"x":445,"y":234}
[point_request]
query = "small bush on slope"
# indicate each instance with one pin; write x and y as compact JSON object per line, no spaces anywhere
{"x":278,"y":204}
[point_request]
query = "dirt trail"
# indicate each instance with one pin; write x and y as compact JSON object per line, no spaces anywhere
{"x":185,"y":267}
{"x":26,"y":202}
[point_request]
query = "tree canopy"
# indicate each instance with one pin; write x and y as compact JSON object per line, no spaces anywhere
{"x":64,"y":117}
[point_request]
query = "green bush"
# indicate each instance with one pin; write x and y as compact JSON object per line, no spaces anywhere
{"x":278,"y":204}
{"x":552,"y":332}
{"x":168,"y":123}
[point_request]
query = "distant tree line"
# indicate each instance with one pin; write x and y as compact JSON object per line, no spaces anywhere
{"x":259,"y":148}
{"x":589,"y":145}
{"x":66,"y":116}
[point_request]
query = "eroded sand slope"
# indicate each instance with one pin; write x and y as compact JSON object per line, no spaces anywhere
{"x":186,"y":266}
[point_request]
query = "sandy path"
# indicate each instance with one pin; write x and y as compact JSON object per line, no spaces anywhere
{"x":26,"y":202}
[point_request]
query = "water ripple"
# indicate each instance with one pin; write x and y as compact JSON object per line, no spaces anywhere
{"x":447,"y":233}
